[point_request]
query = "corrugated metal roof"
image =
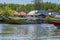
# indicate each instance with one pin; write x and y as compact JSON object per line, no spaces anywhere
{"x":22,"y":13}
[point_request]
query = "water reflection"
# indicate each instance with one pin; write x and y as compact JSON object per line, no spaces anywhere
{"x":22,"y":32}
{"x":17,"y":30}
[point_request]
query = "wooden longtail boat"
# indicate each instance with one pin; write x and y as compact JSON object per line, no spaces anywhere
{"x":56,"y":21}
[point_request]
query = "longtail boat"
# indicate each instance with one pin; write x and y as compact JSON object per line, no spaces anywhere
{"x":56,"y":22}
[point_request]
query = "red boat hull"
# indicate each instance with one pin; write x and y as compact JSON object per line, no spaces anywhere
{"x":56,"y":23}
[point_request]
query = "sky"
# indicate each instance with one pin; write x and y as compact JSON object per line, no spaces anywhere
{"x":27,"y":1}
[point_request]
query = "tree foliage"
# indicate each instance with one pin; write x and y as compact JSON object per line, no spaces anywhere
{"x":8,"y":12}
{"x":9,"y":8}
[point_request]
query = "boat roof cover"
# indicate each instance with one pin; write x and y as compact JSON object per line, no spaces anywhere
{"x":44,"y":12}
{"x":32,"y":12}
{"x":55,"y":13}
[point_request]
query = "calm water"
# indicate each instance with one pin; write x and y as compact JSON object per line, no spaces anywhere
{"x":21,"y":32}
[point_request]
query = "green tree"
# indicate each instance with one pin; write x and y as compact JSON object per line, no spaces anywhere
{"x":8,"y":11}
